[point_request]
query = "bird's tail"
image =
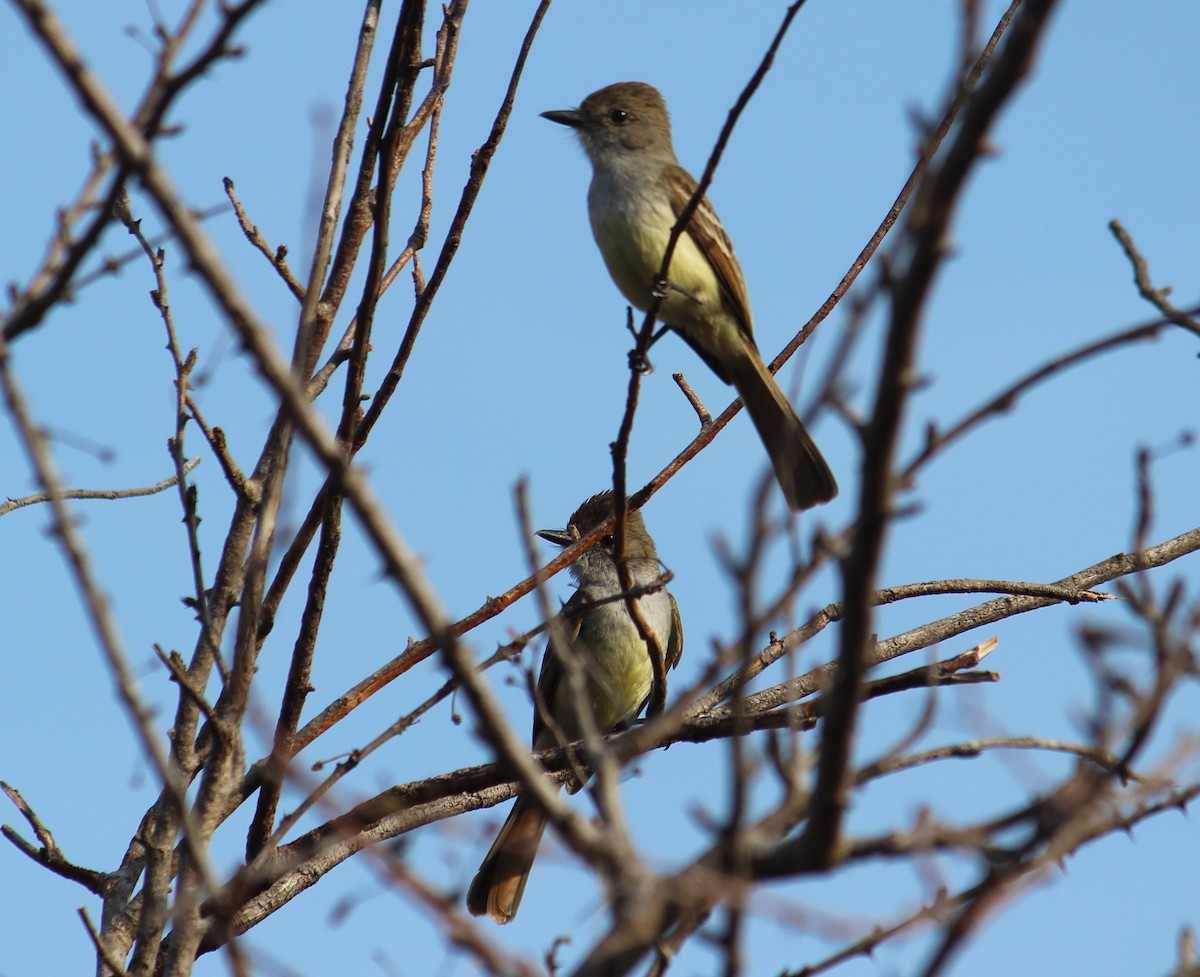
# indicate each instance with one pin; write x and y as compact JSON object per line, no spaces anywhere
{"x":500,"y":882}
{"x":799,"y":467}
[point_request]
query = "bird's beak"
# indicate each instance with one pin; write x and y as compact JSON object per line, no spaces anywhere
{"x":559,"y":537}
{"x":565,"y":117}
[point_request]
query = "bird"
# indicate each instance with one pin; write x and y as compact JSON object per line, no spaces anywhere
{"x":619,"y":677}
{"x":637,"y":193}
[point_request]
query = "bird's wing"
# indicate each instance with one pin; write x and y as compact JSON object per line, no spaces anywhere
{"x":570,"y":618}
{"x":712,"y":240}
{"x":675,"y":640}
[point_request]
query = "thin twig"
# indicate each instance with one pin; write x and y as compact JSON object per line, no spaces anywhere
{"x":130,"y":493}
{"x":49,"y":855}
{"x":110,"y":961}
{"x":1141,"y":277}
{"x":277,"y":257}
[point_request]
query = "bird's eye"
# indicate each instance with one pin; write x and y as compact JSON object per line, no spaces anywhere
{"x":607,"y":541}
{"x":618,"y":117}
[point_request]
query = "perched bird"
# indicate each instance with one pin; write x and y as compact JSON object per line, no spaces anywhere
{"x":637,"y":194}
{"x":619,"y":678}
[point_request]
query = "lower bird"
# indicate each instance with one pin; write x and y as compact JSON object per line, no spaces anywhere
{"x":619,"y":676}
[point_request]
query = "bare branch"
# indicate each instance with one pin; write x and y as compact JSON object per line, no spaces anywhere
{"x":49,"y":854}
{"x":278,"y":257}
{"x":1141,"y":277}
{"x":129,"y":493}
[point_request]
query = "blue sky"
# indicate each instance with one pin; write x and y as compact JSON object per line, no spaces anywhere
{"x":520,"y":372}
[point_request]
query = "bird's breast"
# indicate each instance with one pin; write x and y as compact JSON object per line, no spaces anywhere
{"x":622,"y":674}
{"x":632,"y":224}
